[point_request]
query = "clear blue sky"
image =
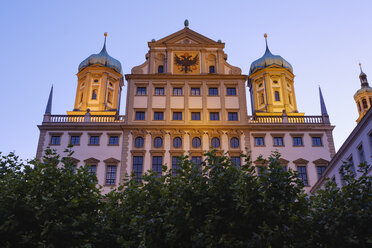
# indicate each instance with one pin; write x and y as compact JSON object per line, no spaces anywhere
{"x":43,"y":43}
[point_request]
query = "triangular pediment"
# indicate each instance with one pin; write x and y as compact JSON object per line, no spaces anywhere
{"x":300,"y":161}
{"x":185,"y":36}
{"x":321,"y":162}
{"x":91,"y":161}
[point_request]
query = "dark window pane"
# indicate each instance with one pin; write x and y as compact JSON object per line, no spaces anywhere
{"x":55,"y":140}
{"x":277,"y":96}
{"x":110,"y":174}
{"x":177,"y":91}
{"x":213,"y":91}
{"x":195,"y":116}
{"x":157,"y":163}
{"x":177,"y":116}
{"x":195,"y":91}
{"x":92,"y":169}
{"x":234,"y":142}
{"x":159,"y":91}
{"x":114,"y":140}
{"x":160,"y":69}
{"x":138,"y":167}
{"x":140,"y":116}
{"x":278,"y":141}
{"x":317,"y":141}
{"x":177,"y":142}
{"x":75,"y":140}
{"x":141,"y":91}
{"x":215,"y":142}
{"x":214,"y":116}
{"x":259,"y":141}
{"x":236,"y":161}
{"x":297,"y":141}
{"x":231,"y":91}
{"x":94,"y":140}
{"x":158,"y":116}
{"x":302,"y":174}
{"x":211,"y":69}
{"x":233,"y":116}
{"x":196,"y":142}
{"x":320,"y":170}
{"x":158,"y":142}
{"x":197,"y":160}
{"x":138,"y":143}
{"x":175,"y":165}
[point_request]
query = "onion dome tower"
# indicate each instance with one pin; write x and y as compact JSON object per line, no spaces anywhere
{"x":100,"y":82}
{"x":363,"y":96}
{"x":270,"y":82}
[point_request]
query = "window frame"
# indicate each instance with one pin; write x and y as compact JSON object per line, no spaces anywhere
{"x":192,"y":115}
{"x":177,"y":91}
{"x":157,"y":115}
{"x":137,"y":167}
{"x":214,"y":114}
{"x":156,"y":141}
{"x":213,"y":91}
{"x":141,"y":91}
{"x":177,"y":142}
{"x":177,"y":114}
{"x":198,"y":142}
{"x":301,"y":173}
{"x":215,"y":139}
{"x":232,"y":116}
{"x":231,"y":91}
{"x":158,"y":166}
{"x":278,"y":138}
{"x":159,"y":91}
{"x":141,"y":114}
{"x":139,"y":138}
{"x":194,"y":91}
{"x":235,"y":144}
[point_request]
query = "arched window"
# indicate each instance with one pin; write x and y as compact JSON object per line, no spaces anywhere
{"x":215,"y":142}
{"x":277,"y":97}
{"x":211,"y":69}
{"x":94,"y":95}
{"x":160,"y":69}
{"x":177,"y":142}
{"x":365,"y":106}
{"x":196,"y":142}
{"x":109,"y":97}
{"x":138,"y":142}
{"x":262,"y":98}
{"x":158,"y":142}
{"x":234,"y":142}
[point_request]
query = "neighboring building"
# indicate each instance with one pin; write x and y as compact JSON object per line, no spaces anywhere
{"x":358,"y":146}
{"x":183,"y":100}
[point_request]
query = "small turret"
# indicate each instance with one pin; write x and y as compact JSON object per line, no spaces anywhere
{"x":363,"y":97}
{"x":48,"y":109}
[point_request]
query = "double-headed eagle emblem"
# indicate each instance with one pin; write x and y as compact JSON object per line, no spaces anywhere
{"x":186,"y":62}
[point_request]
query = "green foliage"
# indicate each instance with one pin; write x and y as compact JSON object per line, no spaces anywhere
{"x":49,"y":204}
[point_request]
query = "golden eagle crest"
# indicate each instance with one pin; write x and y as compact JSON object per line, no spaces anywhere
{"x":186,"y":63}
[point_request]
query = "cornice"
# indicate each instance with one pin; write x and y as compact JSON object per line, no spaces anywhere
{"x":186,"y":77}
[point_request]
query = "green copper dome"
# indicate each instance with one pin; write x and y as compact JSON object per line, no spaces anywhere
{"x":269,"y":59}
{"x":102,"y":58}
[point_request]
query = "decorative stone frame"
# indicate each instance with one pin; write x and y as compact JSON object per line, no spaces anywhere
{"x":214,"y":135}
{"x":283,"y":162}
{"x":113,"y":134}
{"x":229,"y":137}
{"x":94,"y":134}
{"x":74,"y":134}
{"x":192,"y":136}
{"x":74,"y":161}
{"x":108,"y":162}
{"x":293,"y":135}
{"x":318,"y":135}
{"x":51,"y":134}
{"x":321,"y":162}
{"x":92,"y":161}
{"x":156,"y":135}
{"x":278,"y":135}
{"x":258,"y":135}
{"x":137,"y":135}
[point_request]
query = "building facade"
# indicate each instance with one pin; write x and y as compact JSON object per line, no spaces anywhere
{"x":185,"y":99}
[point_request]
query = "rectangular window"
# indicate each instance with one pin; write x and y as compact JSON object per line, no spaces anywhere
{"x":297,"y":141}
{"x":214,"y":116}
{"x":177,"y":116}
{"x":317,"y":141}
{"x":320,"y":170}
{"x":231,"y":91}
{"x":260,"y":170}
{"x":233,"y":116}
{"x":111,"y":174}
{"x":159,"y":91}
{"x":213,"y":91}
{"x":55,"y":140}
{"x":158,"y":116}
{"x":362,"y":158}
{"x":75,"y":140}
{"x":175,"y":165}
{"x":114,"y":140}
{"x":236,"y":161}
{"x":140,"y":116}
{"x":141,"y":91}
{"x":278,"y":141}
{"x":351,"y":163}
{"x":92,"y":169}
{"x":138,"y":167}
{"x":195,"y":116}
{"x":94,"y":140}
{"x":284,"y":168}
{"x":177,"y":91}
{"x":302,"y":174}
{"x":259,"y":141}
{"x":157,"y":163}
{"x":197,"y":160}
{"x":195,"y":91}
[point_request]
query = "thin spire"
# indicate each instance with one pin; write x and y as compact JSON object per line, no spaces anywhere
{"x":363,"y":77}
{"x":360,"y":65}
{"x":48,"y":109}
{"x":323,"y":108}
{"x":104,"y":44}
{"x":267,"y":47}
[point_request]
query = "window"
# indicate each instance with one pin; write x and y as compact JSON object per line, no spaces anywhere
{"x":177,"y":142}
{"x":138,"y":167}
{"x":138,"y":142}
{"x":195,"y":116}
{"x":351,"y":163}
{"x":275,"y":82}
{"x":94,"y":140}
{"x":160,"y":69}
{"x":364,"y":102}
{"x":317,"y":141}
{"x":92,"y":169}
{"x":360,"y":108}
{"x":262,"y":98}
{"x":109,"y":97}
{"x":234,"y":142}
{"x":158,"y":142}
{"x":75,"y":140}
{"x":159,"y":91}
{"x":197,"y":160}
{"x":214,"y":116}
{"x":157,"y":163}
{"x":215,"y":142}
{"x":94,"y":95}
{"x":277,"y":97}
{"x":158,"y":116}
{"x":259,"y":141}
{"x":320,"y":170}
{"x":196,"y":142}
{"x":362,"y":158}
{"x":177,"y":91}
{"x":231,"y":91}
{"x":236,"y":161}
{"x":211,"y":69}
{"x":175,"y":165}
{"x":141,"y":91}
{"x":302,"y":174}
{"x":140,"y":116}
{"x":177,"y":116}
{"x":195,"y":91}
{"x":213,"y":91}
{"x":278,"y":141}
{"x":289,"y":99}
{"x":284,"y":168}
{"x":110,"y":174}
{"x":81,"y":98}
{"x":114,"y":140}
{"x":233,"y":116}
{"x":55,"y":140}
{"x":260,"y":170}
{"x":297,"y":141}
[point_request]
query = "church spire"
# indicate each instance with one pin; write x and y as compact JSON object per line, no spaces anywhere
{"x":323,"y":108}
{"x":48,"y":109}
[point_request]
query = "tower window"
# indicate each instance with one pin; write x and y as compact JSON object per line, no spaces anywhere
{"x":234,"y":142}
{"x":138,"y":142}
{"x":231,"y":91}
{"x":214,"y":116}
{"x":365,"y":106}
{"x":140,"y":116}
{"x":94,"y":95}
{"x":158,"y":142}
{"x":360,"y":108}
{"x":159,"y":91}
{"x":196,"y":142}
{"x":109,"y":97}
{"x":177,"y":142}
{"x":141,"y":91}
{"x":215,"y":142}
{"x":277,"y":97}
{"x":111,"y":174}
{"x":96,"y":80}
{"x":158,"y":116}
{"x":262,"y":98}
{"x":177,"y":91}
{"x":195,"y":91}
{"x":195,"y":116}
{"x":213,"y":91}
{"x":275,"y":82}
{"x":211,"y":69}
{"x":160,"y":69}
